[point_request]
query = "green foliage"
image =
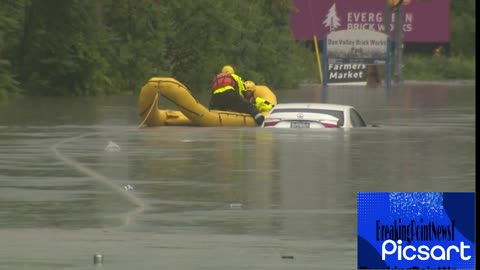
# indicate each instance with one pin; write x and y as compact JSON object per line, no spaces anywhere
{"x":462,"y":27}
{"x":269,"y":53}
{"x":438,"y":67}
{"x":7,"y":83}
{"x":459,"y":63}
{"x":86,"y":47}
{"x":62,"y":55}
{"x":199,"y":35}
{"x":9,"y":27}
{"x":136,"y":46}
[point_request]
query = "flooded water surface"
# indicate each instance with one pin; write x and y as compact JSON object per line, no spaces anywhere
{"x":78,"y":177}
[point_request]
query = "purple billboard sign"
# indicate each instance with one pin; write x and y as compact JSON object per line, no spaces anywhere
{"x":423,"y":20}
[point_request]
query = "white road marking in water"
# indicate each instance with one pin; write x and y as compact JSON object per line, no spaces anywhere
{"x":101,"y":178}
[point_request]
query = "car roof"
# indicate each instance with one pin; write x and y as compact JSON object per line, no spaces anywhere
{"x":325,"y":106}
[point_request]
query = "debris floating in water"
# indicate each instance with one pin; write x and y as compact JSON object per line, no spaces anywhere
{"x":98,"y":259}
{"x":112,"y":147}
{"x":128,"y":187}
{"x":236,"y":206}
{"x":287,"y":257}
{"x":187,"y":140}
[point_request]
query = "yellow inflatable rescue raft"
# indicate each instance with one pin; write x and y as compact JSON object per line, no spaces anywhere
{"x":191,"y":112}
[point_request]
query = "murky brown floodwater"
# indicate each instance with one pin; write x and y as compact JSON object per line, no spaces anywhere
{"x":217,"y":198}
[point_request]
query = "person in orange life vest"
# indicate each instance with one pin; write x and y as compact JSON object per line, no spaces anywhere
{"x":228,"y":95}
{"x":262,"y":104}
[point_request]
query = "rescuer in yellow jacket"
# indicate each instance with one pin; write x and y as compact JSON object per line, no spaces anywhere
{"x":228,"y":92}
{"x":262,"y":104}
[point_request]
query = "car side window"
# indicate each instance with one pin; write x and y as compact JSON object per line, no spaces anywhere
{"x":340,"y":122}
{"x":356,"y":119}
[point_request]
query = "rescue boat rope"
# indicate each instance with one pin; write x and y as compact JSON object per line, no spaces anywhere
{"x":154,"y":104}
{"x":140,"y":206}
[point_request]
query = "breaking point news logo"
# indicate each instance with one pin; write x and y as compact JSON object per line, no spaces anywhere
{"x":416,"y":230}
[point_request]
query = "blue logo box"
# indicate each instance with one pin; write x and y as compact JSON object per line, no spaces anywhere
{"x":416,"y":230}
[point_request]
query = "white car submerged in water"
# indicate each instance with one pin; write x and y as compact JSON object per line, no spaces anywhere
{"x":313,"y":115}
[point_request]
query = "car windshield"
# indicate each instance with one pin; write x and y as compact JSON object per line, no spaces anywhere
{"x":334,"y":113}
